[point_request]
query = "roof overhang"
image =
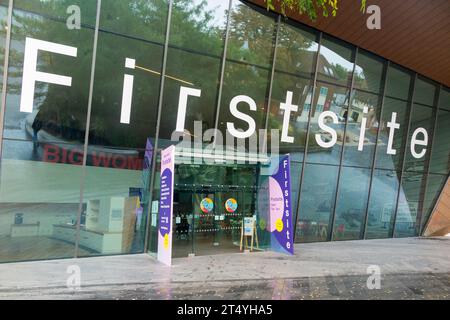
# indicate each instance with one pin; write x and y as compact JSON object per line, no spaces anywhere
{"x":414,"y":33}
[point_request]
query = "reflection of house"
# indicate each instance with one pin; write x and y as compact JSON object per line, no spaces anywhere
{"x":329,"y":72}
{"x":357,"y":112}
{"x":327,"y":97}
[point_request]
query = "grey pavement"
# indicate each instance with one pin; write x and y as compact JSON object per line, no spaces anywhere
{"x":413,"y":268}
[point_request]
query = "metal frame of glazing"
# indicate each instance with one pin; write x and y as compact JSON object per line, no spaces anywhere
{"x":373,"y":165}
{"x":278,"y":20}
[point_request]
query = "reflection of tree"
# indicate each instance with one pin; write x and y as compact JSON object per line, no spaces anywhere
{"x":140,"y":18}
{"x":340,"y":72}
{"x":252,"y":40}
{"x":251,"y":36}
{"x":192,"y":27}
{"x":312,"y":8}
{"x":292,"y":51}
{"x":3,"y":14}
{"x":360,"y":80}
{"x":64,"y":109}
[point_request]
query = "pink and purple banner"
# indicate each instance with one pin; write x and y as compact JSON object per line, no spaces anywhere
{"x":166,"y":206}
{"x":280,"y":208}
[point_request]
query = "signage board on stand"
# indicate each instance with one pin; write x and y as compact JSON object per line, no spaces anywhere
{"x":166,"y":206}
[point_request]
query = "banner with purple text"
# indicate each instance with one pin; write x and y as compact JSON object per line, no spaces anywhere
{"x":166,"y":206}
{"x":280,"y":208}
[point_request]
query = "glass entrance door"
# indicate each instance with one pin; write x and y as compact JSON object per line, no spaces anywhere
{"x":231,"y":210}
{"x":182,"y":239}
{"x":206,"y":224}
{"x":209,"y":208}
{"x":217,"y":229}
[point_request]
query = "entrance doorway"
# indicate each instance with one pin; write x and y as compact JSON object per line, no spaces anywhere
{"x":209,"y":208}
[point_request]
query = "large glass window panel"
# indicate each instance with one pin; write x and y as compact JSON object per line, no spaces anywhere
{"x":195,"y":44}
{"x":368,"y":72}
{"x":187,"y":69}
{"x":113,"y":211}
{"x":382,"y":204}
{"x":316,"y":202}
{"x":57,"y":112}
{"x":410,"y":204}
{"x":39,"y":200}
{"x":421,"y":118}
{"x":335,"y":62}
{"x":351,"y":204}
{"x":115,"y":189}
{"x":251,"y":43}
{"x":43,"y":150}
{"x":399,"y":136}
{"x":424,"y":92}
{"x":334,"y":99}
{"x":243,"y":79}
{"x":252,"y":35}
{"x":398,"y":83}
{"x":107,"y":127}
{"x":146,"y":20}
{"x":364,"y":108}
{"x":444,"y":99}
{"x":435,"y":184}
{"x":440,"y":158}
{"x":296,"y":172}
{"x":296,"y":51}
{"x":199,"y":25}
{"x":130,"y":44}
{"x":298,"y":121}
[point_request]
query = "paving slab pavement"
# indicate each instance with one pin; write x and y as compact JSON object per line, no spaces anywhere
{"x":412,"y":268}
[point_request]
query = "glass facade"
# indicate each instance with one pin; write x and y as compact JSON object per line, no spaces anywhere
{"x":94,"y":92}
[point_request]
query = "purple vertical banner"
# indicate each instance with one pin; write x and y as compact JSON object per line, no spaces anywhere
{"x":280,"y":208}
{"x":166,"y":206}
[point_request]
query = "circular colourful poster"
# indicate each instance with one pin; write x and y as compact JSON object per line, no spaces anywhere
{"x":207,"y":205}
{"x":231,"y":205}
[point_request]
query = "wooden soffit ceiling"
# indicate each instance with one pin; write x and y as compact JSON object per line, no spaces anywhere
{"x":414,"y":33}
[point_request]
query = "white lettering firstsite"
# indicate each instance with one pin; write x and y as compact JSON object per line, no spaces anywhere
{"x":241,"y":106}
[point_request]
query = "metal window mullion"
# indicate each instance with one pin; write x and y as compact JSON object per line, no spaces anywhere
{"x":412,"y":91}
{"x":344,"y":138}
{"x":308,"y":130}
{"x":441,"y":88}
{"x":158,"y":124}
{"x":272,"y":76}
{"x":5,"y":73}
{"x":430,"y":153}
{"x":88,"y":124}
{"x":222,"y":70}
{"x":269,"y":97}
{"x":372,"y":173}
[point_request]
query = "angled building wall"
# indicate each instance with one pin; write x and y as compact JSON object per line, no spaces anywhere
{"x":439,"y":223}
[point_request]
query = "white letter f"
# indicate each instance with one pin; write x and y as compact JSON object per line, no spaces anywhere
{"x":31,"y":75}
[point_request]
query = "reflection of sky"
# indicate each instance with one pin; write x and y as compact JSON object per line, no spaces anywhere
{"x":334,"y":58}
{"x":314,"y":47}
{"x":217,"y":8}
{"x":360,"y":71}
